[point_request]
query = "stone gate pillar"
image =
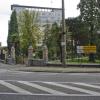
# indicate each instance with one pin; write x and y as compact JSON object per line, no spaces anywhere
{"x":30,"y":55}
{"x":13,"y":54}
{"x":45,"y":53}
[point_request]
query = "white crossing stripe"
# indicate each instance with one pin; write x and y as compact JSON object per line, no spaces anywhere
{"x":3,"y":71}
{"x":89,"y":85}
{"x":74,"y":88}
{"x":52,"y":91}
{"x":14,"y":88}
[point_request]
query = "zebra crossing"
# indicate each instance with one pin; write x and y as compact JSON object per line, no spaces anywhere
{"x":49,"y":88}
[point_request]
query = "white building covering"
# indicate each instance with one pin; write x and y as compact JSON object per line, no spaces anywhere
{"x":45,"y":14}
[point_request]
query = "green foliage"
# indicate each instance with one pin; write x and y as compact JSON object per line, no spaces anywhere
{"x":13,"y":28}
{"x":90,"y":15}
{"x":89,"y":11}
{"x":29,"y":30}
{"x":13,"y":35}
{"x":53,"y":40}
{"x":39,"y":53}
{"x":78,"y":30}
{"x":84,"y":27}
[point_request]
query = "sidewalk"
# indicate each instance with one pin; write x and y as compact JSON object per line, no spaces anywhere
{"x":54,"y":69}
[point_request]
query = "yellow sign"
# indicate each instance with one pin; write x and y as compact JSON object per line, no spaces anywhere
{"x":89,"y":49}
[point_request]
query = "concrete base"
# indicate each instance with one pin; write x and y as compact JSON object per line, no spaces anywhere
{"x":36,"y":62}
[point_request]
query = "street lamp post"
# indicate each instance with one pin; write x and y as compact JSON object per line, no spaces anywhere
{"x":63,"y":41}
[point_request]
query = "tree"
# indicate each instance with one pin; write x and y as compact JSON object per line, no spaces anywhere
{"x":98,"y":2}
{"x":13,"y":35}
{"x":89,"y":15}
{"x":78,"y":30}
{"x":76,"y":35}
{"x":53,"y":40}
{"x":30,"y":32}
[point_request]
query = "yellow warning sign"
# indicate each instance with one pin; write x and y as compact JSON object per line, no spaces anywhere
{"x":89,"y":49}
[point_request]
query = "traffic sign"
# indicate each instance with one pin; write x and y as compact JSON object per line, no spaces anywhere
{"x":86,"y":49}
{"x":89,"y":49}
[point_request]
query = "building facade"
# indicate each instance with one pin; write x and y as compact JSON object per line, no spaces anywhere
{"x":45,"y":14}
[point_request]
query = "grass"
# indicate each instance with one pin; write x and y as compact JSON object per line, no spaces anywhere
{"x":75,"y":60}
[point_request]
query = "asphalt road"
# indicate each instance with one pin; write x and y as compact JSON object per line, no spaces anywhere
{"x":18,"y":85}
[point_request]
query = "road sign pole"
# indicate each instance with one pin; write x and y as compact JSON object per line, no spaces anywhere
{"x":63,"y":42}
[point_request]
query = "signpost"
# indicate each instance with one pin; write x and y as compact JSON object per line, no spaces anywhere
{"x":63,"y":42}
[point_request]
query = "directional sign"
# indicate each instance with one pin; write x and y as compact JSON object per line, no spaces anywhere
{"x":80,"y":49}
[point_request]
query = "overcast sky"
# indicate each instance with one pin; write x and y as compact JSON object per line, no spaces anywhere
{"x":5,"y":11}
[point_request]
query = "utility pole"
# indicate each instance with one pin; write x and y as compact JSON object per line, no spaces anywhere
{"x":63,"y":38}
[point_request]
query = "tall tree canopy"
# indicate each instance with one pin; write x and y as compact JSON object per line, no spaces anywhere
{"x":30,"y":32}
{"x":78,"y":30}
{"x":53,"y":40}
{"x":89,"y":13}
{"x":13,"y":35}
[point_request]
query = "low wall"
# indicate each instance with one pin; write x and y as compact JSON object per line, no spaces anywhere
{"x":36,"y":62}
{"x":10,"y":61}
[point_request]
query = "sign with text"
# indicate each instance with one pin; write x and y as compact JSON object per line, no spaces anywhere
{"x":80,"y":49}
{"x":89,"y":49}
{"x":86,"y":49}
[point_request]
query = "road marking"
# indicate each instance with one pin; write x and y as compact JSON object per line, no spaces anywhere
{"x":96,"y":83}
{"x":78,"y":95}
{"x":74,"y":88}
{"x":15,"y":88}
{"x":79,"y":74}
{"x":3,"y":71}
{"x":48,"y":73}
{"x":46,"y":81}
{"x":21,"y":72}
{"x":89,"y":85}
{"x":42,"y":88}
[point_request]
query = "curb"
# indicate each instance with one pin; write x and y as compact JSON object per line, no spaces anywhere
{"x":61,"y":70}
